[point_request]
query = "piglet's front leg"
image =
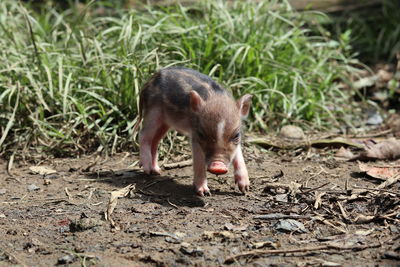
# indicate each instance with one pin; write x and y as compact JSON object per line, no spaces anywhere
{"x":199,"y":169}
{"x":241,"y":174}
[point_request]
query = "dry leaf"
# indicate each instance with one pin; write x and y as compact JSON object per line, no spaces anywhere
{"x":389,"y":149}
{"x":364,"y":219}
{"x":42,"y":170}
{"x":344,"y":153}
{"x":114,"y":199}
{"x":382,"y":173}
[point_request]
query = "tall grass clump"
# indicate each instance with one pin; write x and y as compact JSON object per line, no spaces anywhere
{"x":69,"y":79}
{"x":374,"y":32}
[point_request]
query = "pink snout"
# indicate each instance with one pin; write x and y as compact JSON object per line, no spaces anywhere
{"x":217,"y":167}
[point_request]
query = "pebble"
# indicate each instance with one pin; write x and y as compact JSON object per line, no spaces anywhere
{"x":290,"y":225}
{"x":33,"y":187}
{"x":292,"y":132}
{"x":67,"y":259}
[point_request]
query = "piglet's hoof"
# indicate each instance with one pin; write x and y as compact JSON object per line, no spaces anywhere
{"x":202,"y":190}
{"x":152,"y":171}
{"x":243,"y":184}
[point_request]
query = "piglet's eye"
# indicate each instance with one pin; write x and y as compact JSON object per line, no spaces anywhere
{"x":235,"y":138}
{"x":201,"y":135}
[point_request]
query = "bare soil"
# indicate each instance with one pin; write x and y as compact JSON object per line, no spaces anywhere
{"x":58,"y":219}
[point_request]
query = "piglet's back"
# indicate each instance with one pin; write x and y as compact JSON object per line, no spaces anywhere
{"x":170,"y":87}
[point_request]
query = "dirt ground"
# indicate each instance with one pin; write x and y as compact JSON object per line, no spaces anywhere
{"x":303,"y":210}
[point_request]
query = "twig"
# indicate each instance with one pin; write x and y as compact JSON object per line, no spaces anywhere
{"x":10,"y":164}
{"x":68,"y":193}
{"x":376,"y":189}
{"x":172,"y":204}
{"x":180,"y":164}
{"x":342,"y":210}
{"x":318,"y":199}
{"x":313,"y":189}
{"x":372,"y":135}
{"x":315,"y":175}
{"x":152,"y":194}
{"x":389,"y":181}
{"x":278,"y":216}
{"x":325,"y":221}
{"x":259,"y":252}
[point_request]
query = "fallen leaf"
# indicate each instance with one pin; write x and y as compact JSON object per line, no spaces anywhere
{"x":366,"y":82}
{"x":114,"y":199}
{"x":42,"y":170}
{"x":336,"y":142}
{"x":393,"y":123}
{"x":388,"y":149}
{"x":382,"y":173}
{"x":364,"y":218}
{"x":318,"y":199}
{"x":344,"y":153}
{"x":365,"y":232}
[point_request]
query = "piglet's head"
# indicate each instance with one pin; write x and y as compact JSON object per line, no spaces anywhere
{"x":217,"y":127}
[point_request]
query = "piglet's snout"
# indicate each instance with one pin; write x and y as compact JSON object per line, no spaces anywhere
{"x":217,"y":167}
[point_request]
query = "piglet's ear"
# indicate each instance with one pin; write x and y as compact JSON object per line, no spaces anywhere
{"x":196,"y":102}
{"x":243,"y":104}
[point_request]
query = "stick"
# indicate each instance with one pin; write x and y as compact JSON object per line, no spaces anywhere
{"x":259,"y":252}
{"x":313,"y":189}
{"x":375,"y":189}
{"x":180,"y":164}
{"x":278,"y":216}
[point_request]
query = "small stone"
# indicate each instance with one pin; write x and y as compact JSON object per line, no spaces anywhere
{"x":292,"y":132}
{"x":84,"y":224}
{"x":282,"y":197}
{"x":33,"y":187}
{"x":172,"y":240}
{"x":374,"y":119}
{"x":67,"y":259}
{"x":192,"y":251}
{"x":132,"y":229}
{"x":52,"y":176}
{"x":3,"y":191}
{"x":290,"y":225}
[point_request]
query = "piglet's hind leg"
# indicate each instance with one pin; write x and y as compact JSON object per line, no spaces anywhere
{"x":152,"y":132}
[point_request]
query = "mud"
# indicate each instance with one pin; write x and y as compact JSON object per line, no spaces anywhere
{"x":58,"y":219}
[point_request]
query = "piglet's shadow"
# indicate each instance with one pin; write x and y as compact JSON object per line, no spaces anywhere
{"x":164,"y":190}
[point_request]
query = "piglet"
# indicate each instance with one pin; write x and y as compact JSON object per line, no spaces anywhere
{"x":195,"y":105}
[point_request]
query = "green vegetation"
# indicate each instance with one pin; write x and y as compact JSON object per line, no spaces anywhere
{"x":69,"y":79}
{"x":374,"y":31}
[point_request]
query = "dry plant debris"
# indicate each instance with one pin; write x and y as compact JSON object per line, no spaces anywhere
{"x":114,"y":200}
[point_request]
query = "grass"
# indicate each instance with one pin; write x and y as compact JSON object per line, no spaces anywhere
{"x":374,"y":32}
{"x":69,"y":79}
